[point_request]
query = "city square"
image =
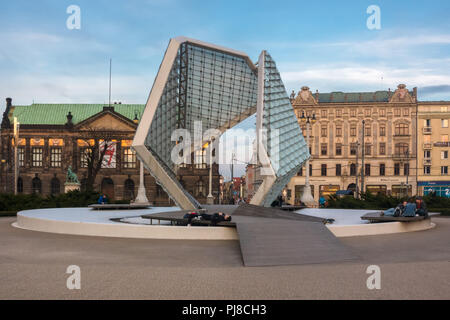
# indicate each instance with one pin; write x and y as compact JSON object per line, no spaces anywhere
{"x":226,"y":171}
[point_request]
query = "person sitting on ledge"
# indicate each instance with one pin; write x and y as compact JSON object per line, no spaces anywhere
{"x":103,"y":199}
{"x":410,"y":209}
{"x":397,"y":211}
{"x":421,"y":209}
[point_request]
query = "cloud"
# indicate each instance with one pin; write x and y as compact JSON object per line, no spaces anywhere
{"x":444,"y":88}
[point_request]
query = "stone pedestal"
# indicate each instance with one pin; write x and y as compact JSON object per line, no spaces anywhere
{"x":71,"y":186}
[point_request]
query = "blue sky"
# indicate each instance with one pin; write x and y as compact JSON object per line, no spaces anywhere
{"x":322,"y":44}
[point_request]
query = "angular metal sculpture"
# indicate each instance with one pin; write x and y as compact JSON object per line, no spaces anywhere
{"x":220,"y":87}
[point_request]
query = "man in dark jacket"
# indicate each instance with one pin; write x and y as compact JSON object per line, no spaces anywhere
{"x":421,"y":207}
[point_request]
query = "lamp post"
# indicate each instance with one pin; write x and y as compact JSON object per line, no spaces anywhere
{"x":3,"y":161}
{"x":16,"y":155}
{"x":210,"y":197}
{"x":141,"y":196}
{"x":307,"y":197}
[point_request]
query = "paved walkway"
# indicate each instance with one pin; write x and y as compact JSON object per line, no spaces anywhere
{"x":33,"y":264}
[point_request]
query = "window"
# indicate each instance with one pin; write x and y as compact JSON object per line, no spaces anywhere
{"x":367,"y":130}
{"x":323,"y":170}
{"x":19,"y":185}
{"x":353,"y":149}
{"x":397,"y":112}
{"x":367,"y":169}
{"x":427,"y":122}
{"x":338,"y":131}
{"x":401,"y":129}
{"x":338,"y":149}
{"x":129,"y":158}
{"x":367,"y":149}
{"x":353,"y":130}
{"x":128,"y":192}
{"x":367,"y":112}
{"x":323,"y":131}
{"x":427,"y":154}
{"x":444,"y":123}
{"x":444,"y":109}
{"x":427,"y":170}
{"x":382,"y":112}
{"x":338,"y":169}
{"x":406,"y":169}
{"x":338,"y":113}
{"x":406,"y":112}
{"x":300,"y":172}
{"x":200,"y":159}
{"x":55,"y":186}
{"x":353,"y":112}
{"x":21,"y":155}
{"x":323,"y":149}
{"x":444,"y":155}
{"x":382,"y":169}
{"x":401,"y":149}
{"x":36,"y":185}
{"x":444,"y":138}
{"x":323,"y":113}
{"x":353,"y":169}
{"x":396,"y":169}
{"x":200,"y":189}
{"x":382,"y":148}
{"x":444,"y":170}
{"x":85,"y":155}
{"x":55,"y":157}
{"x":310,"y":169}
{"x":36,"y":156}
{"x":382,"y":131}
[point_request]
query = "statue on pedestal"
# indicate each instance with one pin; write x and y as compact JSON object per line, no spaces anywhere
{"x":72,"y":182}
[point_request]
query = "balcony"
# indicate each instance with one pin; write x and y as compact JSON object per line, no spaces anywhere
{"x":427,"y":146}
{"x":402,"y":157}
{"x":426,"y":130}
{"x":427,"y":161}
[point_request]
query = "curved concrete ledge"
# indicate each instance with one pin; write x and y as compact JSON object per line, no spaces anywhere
{"x":371,"y":229}
{"x":29,"y":221}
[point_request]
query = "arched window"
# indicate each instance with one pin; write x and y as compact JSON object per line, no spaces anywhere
{"x":36,"y":185}
{"x":55,"y":186}
{"x":19,"y":185}
{"x":401,"y":129}
{"x":128,"y":192}
{"x":401,"y":149}
{"x":160,"y":193}
{"x":200,"y":189}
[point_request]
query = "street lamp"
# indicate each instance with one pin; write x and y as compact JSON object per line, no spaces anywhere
{"x":307,"y":197}
{"x":210,"y":197}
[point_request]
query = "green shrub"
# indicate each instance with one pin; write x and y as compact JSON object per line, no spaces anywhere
{"x":11,"y":202}
{"x":380,"y":201}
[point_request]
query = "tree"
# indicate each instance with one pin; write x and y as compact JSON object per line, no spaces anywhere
{"x":94,"y":151}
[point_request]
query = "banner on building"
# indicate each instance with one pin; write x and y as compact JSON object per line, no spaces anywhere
{"x":109,"y":159}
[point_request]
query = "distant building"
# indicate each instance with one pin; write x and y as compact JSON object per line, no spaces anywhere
{"x":50,"y":142}
{"x":336,"y":142}
{"x":433,"y":160}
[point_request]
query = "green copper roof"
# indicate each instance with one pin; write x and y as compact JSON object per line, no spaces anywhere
{"x":57,"y":113}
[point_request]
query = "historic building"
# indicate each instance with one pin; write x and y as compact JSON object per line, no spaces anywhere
{"x":377,"y":126}
{"x":56,"y":136}
{"x":433,"y":144}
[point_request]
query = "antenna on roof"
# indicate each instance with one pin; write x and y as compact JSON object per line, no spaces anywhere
{"x":110,"y":67}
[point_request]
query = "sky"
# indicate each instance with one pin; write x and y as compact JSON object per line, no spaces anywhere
{"x":325,"y":45}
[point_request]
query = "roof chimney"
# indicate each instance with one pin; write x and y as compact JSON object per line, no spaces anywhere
{"x":8,"y":103}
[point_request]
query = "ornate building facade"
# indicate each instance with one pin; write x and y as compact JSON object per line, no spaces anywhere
{"x":380,"y":127}
{"x":53,"y":137}
{"x":433,"y":160}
